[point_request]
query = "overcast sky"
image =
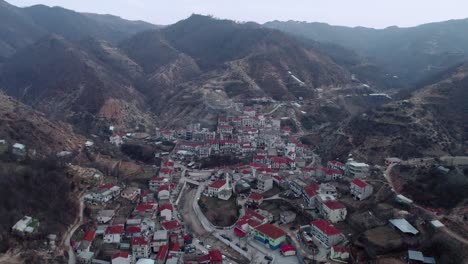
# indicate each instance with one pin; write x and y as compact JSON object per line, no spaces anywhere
{"x":369,"y":13}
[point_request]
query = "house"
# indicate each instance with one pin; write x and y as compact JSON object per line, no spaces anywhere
{"x":26,"y":224}
{"x":340,"y":253}
{"x":327,"y":188}
{"x":147,"y":210}
{"x":130,"y":193}
{"x":87,"y":241}
{"x":288,"y":250}
{"x":269,"y":235}
{"x":133,"y":231}
{"x":160,"y":238}
{"x":117,"y":139}
{"x":287,"y":217}
{"x":165,"y":212}
{"x":357,"y":170}
{"x":164,"y":192}
{"x":334,"y":211}
{"x":105,"y":216}
{"x":213,"y":257}
{"x":255,"y":198}
{"x":326,"y":233}
{"x":360,"y":189}
{"x":19,"y":150}
{"x":165,"y":172}
{"x":336,"y":165}
{"x":172,"y":226}
{"x":161,"y":257}
{"x":141,"y":247}
{"x":216,"y":187}
{"x":113,"y":234}
{"x":121,"y":258}
{"x":256,"y":216}
{"x":157,"y":182}
{"x":417,"y":257}
{"x":244,"y":225}
{"x":309,"y":193}
{"x":264,"y":183}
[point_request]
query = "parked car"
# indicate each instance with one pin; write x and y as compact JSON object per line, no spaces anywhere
{"x":268,"y":258}
{"x":244,"y":248}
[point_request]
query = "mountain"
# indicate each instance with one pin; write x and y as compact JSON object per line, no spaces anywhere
{"x":411,"y":54}
{"x":20,"y":123}
{"x":87,"y":81}
{"x":20,"y":27}
{"x":431,"y":121}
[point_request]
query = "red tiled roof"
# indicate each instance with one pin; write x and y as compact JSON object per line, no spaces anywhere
{"x":215,"y":256}
{"x":359,"y":183}
{"x":278,"y":178}
{"x":164,"y":188}
{"x":204,"y":259}
{"x":286,"y":248}
{"x":170,"y":225}
{"x":89,"y":235}
{"x":311,"y":189}
{"x":218,"y":184}
{"x":169,"y":163}
{"x":166,"y":207}
{"x":145,"y":207}
{"x":326,"y":228}
{"x":165,"y":171}
{"x":255,"y":196}
{"x":106,"y":186}
{"x":239,"y":232}
{"x":174,"y":246}
{"x":339,"y":249}
{"x":139,"y":241}
{"x":252,"y":213}
{"x":159,"y":179}
{"x":117,"y":229}
{"x":336,"y":163}
{"x":334,"y":205}
{"x":120,"y":254}
{"x":133,"y":230}
{"x":271,"y":231}
{"x":162,"y":254}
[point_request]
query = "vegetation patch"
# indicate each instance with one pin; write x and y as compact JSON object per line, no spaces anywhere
{"x":219,"y":212}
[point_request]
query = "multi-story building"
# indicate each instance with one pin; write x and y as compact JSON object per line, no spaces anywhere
{"x":216,"y":187}
{"x":333,"y":211}
{"x":264,"y":183}
{"x":270,"y":235}
{"x":326,"y":233}
{"x":360,"y":189}
{"x":157,"y":182}
{"x":308,"y":193}
{"x":160,"y":238}
{"x":141,"y":247}
{"x":355,"y":169}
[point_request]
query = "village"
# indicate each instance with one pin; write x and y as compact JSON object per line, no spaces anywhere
{"x":247,"y":192}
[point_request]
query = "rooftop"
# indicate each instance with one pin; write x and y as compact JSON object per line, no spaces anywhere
{"x":404,"y":226}
{"x":359,"y":183}
{"x":270,"y":230}
{"x":326,"y":228}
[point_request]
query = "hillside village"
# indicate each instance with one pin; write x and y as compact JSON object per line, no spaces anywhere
{"x":246,"y":192}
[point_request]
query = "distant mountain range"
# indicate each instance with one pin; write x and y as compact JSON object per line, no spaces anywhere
{"x":411,"y":54}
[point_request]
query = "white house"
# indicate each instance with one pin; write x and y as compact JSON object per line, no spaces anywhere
{"x":334,"y":211}
{"x":355,"y":169}
{"x":326,"y":233}
{"x":157,"y":182}
{"x":141,"y":247}
{"x":105,"y":216}
{"x":121,"y":258}
{"x":164,"y":192}
{"x":216,"y":187}
{"x":113,"y":234}
{"x":160,"y":238}
{"x":360,"y":189}
{"x":165,"y":212}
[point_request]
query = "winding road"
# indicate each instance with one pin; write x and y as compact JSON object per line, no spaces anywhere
{"x":71,"y":252}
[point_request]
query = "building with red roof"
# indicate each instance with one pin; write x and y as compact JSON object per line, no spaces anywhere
{"x":255,"y":198}
{"x":288,"y":250}
{"x":165,"y":172}
{"x":336,"y":165}
{"x":164,"y":192}
{"x":172,"y":226}
{"x":165,"y":211}
{"x":216,"y":187}
{"x":113,"y":234}
{"x":141,"y":247}
{"x":87,"y":241}
{"x":270,"y":235}
{"x":326,"y":233}
{"x":334,"y":211}
{"x":254,"y":215}
{"x":360,"y":189}
{"x":121,"y":258}
{"x":157,"y":182}
{"x":308,"y":193}
{"x":133,"y":231}
{"x":339,"y":253}
{"x":161,"y":257}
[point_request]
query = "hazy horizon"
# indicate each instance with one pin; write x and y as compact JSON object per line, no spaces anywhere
{"x":366,"y":13}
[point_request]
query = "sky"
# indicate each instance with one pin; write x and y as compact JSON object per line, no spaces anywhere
{"x":368,"y":13}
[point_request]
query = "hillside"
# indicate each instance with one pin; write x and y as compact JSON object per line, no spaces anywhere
{"x":20,"y":27}
{"x":411,"y":54}
{"x":430,"y":122}
{"x":76,"y":82}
